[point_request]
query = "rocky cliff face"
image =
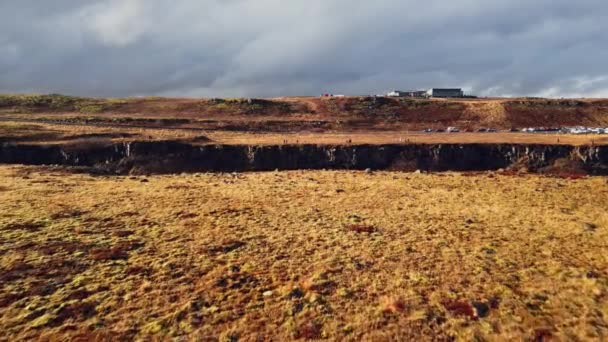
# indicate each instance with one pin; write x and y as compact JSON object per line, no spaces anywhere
{"x":170,"y":156}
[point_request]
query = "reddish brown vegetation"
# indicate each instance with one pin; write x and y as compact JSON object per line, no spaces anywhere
{"x":543,"y":335}
{"x":185,"y":215}
{"x":123,"y":233}
{"x":113,"y":253}
{"x":138,"y":270}
{"x":360,"y":228}
{"x":572,"y":176}
{"x":225,"y":247}
{"x":69,"y":213}
{"x":321,"y":286}
{"x":309,"y":331}
{"x":460,"y":308}
{"x":10,"y":298}
{"x":78,"y":311}
{"x":28,"y":226}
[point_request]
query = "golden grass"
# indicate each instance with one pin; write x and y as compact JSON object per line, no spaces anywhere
{"x":405,"y":137}
{"x":313,"y":113}
{"x":59,"y":134}
{"x":274,"y":256}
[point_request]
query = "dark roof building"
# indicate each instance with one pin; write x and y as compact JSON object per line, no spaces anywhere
{"x":445,"y":92}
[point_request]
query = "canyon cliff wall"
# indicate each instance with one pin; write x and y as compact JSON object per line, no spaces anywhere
{"x":171,"y":157}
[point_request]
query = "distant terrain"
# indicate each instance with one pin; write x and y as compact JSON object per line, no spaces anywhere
{"x":164,"y":135}
{"x":311,"y":114}
{"x":302,"y":219}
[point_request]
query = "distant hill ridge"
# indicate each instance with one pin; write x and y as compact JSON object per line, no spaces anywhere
{"x":349,"y":112}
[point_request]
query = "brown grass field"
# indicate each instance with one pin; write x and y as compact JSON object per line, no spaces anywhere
{"x":312,"y":120}
{"x":39,"y":133}
{"x":333,"y":255}
{"x":349,"y":114}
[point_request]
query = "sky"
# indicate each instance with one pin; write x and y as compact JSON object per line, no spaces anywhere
{"x":268,"y":48}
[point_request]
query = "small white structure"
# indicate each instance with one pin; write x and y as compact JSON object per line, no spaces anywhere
{"x":397,"y":93}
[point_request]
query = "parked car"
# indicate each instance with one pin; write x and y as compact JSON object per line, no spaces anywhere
{"x":453,"y":130}
{"x":428,"y":130}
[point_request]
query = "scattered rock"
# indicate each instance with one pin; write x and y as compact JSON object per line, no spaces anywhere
{"x":481,"y":309}
{"x":295,"y":293}
{"x":368,"y":170}
{"x":417,"y":172}
{"x":144,"y":180}
{"x":267,"y":294}
{"x":590,"y":226}
{"x":593,"y":275}
{"x":469,"y":221}
{"x":489,"y":251}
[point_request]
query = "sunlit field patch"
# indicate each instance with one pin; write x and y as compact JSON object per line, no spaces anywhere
{"x":302,"y":255}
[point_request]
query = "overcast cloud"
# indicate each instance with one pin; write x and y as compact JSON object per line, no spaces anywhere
{"x":303,"y":47}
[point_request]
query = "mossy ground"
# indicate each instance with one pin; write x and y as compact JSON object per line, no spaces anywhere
{"x":318,"y":255}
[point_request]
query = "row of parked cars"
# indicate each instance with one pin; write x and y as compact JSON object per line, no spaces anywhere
{"x":568,"y":130}
{"x":565,"y":130}
{"x":457,"y":130}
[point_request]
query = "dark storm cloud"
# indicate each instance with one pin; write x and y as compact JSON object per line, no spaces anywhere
{"x":272,"y":47}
